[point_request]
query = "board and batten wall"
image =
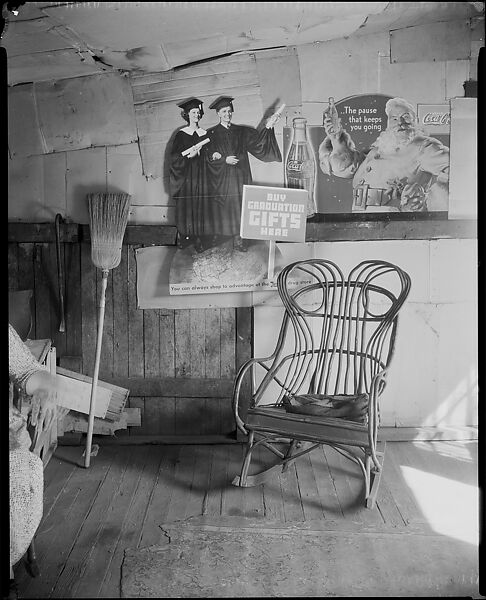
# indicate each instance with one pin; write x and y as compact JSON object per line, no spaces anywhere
{"x":55,"y":162}
{"x":179,"y":365}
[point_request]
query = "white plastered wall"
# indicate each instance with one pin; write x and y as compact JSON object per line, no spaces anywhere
{"x":433,"y":378}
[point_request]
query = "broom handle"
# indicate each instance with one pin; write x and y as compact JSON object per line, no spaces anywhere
{"x":87,"y":455}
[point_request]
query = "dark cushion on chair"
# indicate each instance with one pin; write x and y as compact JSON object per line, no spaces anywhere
{"x":353,"y":407}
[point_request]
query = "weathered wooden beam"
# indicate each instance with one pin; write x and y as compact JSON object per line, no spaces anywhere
{"x":390,"y":229}
{"x":162,"y":235}
{"x":327,"y":229}
{"x":174,"y":387}
{"x":42,"y":232}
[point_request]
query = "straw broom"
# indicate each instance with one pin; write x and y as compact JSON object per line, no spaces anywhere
{"x":108,"y":217}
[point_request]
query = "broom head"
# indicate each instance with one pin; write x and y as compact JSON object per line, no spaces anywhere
{"x":108,"y":217}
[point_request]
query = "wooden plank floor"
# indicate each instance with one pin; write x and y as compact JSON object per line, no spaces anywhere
{"x":92,"y":515}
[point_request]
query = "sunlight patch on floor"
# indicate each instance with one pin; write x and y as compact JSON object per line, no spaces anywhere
{"x":450,"y":507}
{"x":463,"y":451}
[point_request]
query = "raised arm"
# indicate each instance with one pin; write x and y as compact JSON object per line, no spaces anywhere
{"x":337,"y":153}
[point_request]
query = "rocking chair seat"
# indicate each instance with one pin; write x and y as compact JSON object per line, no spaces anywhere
{"x":312,"y":428}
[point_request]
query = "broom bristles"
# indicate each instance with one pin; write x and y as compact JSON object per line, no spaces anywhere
{"x":108,"y":217}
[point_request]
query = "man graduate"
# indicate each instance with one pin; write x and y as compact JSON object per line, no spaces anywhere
{"x":229,"y":167}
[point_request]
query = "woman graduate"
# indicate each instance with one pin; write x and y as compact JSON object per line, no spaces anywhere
{"x":187,"y":174}
{"x":229,"y":167}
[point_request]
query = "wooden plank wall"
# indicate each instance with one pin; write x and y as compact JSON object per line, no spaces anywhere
{"x":178,"y":364}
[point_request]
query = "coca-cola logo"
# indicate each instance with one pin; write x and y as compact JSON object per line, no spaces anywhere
{"x":297,"y":165}
{"x":436,"y":118}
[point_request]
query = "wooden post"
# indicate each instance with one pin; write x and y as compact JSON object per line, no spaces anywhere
{"x":271,"y":259}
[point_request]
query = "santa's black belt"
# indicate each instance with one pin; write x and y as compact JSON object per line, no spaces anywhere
{"x":364,"y":196}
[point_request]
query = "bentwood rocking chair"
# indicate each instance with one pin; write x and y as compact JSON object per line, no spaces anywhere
{"x":322,"y":383}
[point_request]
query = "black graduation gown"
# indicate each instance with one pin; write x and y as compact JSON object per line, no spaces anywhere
{"x":222,"y":203}
{"x":187,"y":178}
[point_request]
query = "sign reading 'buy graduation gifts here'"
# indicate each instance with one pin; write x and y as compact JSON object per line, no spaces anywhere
{"x":275,"y":214}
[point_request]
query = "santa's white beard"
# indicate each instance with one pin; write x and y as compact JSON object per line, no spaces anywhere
{"x":388,"y":140}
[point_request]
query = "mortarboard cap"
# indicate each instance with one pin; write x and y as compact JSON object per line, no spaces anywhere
{"x":187,"y":105}
{"x":221,"y":102}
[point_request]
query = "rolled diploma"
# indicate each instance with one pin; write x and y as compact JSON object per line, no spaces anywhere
{"x":198,"y":146}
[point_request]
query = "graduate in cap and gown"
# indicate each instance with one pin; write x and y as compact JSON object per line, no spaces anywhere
{"x":187,"y":174}
{"x":229,"y":167}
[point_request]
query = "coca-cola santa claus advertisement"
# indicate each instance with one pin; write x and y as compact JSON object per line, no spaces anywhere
{"x":389,"y":156}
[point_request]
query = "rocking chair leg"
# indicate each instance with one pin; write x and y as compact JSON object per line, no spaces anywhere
{"x":245,"y":480}
{"x":241,"y":480}
{"x":375,"y":478}
{"x":290,"y":451}
{"x":375,"y":484}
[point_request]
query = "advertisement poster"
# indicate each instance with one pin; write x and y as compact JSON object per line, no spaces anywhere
{"x":208,"y":172}
{"x":371,"y":153}
{"x":386,"y":165}
{"x":268,"y":215}
{"x":221,"y":269}
{"x":274,"y":214}
{"x":154,"y":264}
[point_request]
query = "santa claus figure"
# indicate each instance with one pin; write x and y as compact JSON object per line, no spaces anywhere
{"x":404,"y":170}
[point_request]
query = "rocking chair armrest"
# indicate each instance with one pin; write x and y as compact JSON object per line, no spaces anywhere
{"x":243,"y":371}
{"x":377,"y":386}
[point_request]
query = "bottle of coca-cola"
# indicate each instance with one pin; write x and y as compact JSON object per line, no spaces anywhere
{"x":300,"y":165}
